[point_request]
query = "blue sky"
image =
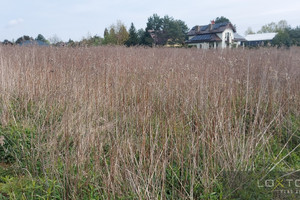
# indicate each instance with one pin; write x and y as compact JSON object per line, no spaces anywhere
{"x":79,"y":18}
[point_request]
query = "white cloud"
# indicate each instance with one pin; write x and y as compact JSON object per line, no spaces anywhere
{"x":14,"y":22}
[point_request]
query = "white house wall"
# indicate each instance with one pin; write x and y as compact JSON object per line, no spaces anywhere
{"x":202,"y":45}
{"x":205,"y":45}
{"x":222,"y":36}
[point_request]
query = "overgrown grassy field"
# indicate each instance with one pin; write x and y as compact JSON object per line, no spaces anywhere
{"x":146,"y":123}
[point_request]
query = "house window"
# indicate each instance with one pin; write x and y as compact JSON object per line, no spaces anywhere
{"x":227,"y":39}
{"x":227,"y":36}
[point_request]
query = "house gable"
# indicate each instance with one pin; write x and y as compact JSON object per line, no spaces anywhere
{"x":210,"y":28}
{"x":221,"y":34}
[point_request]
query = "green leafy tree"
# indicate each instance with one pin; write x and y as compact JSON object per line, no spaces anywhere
{"x":133,"y":36}
{"x":274,"y":27}
{"x":268,"y":28}
{"x":140,"y":34}
{"x":23,"y":38}
{"x":106,"y":32}
{"x":249,"y":31}
{"x":122,"y":35}
{"x":106,"y":36}
{"x":146,"y":39}
{"x":221,"y":19}
{"x":94,"y":41}
{"x":90,"y":41}
{"x":282,"y":39}
{"x":117,"y":34}
{"x":166,"y":30}
{"x":112,"y":36}
{"x":54,"y":40}
{"x":7,"y":42}
{"x":282,"y":25}
{"x":294,"y":36}
{"x":154,"y":23}
{"x":71,"y":43}
{"x":287,"y":37}
{"x":176,"y":31}
{"x":40,"y":37}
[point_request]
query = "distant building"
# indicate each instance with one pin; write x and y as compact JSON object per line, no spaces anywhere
{"x":262,"y":39}
{"x":238,"y":40}
{"x":220,"y":35}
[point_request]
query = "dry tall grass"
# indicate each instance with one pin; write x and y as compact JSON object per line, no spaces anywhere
{"x":147,"y":123}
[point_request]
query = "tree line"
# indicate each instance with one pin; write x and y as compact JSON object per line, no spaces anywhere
{"x":161,"y":31}
{"x":286,"y":35}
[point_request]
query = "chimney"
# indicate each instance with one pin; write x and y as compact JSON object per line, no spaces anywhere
{"x":212,"y":23}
